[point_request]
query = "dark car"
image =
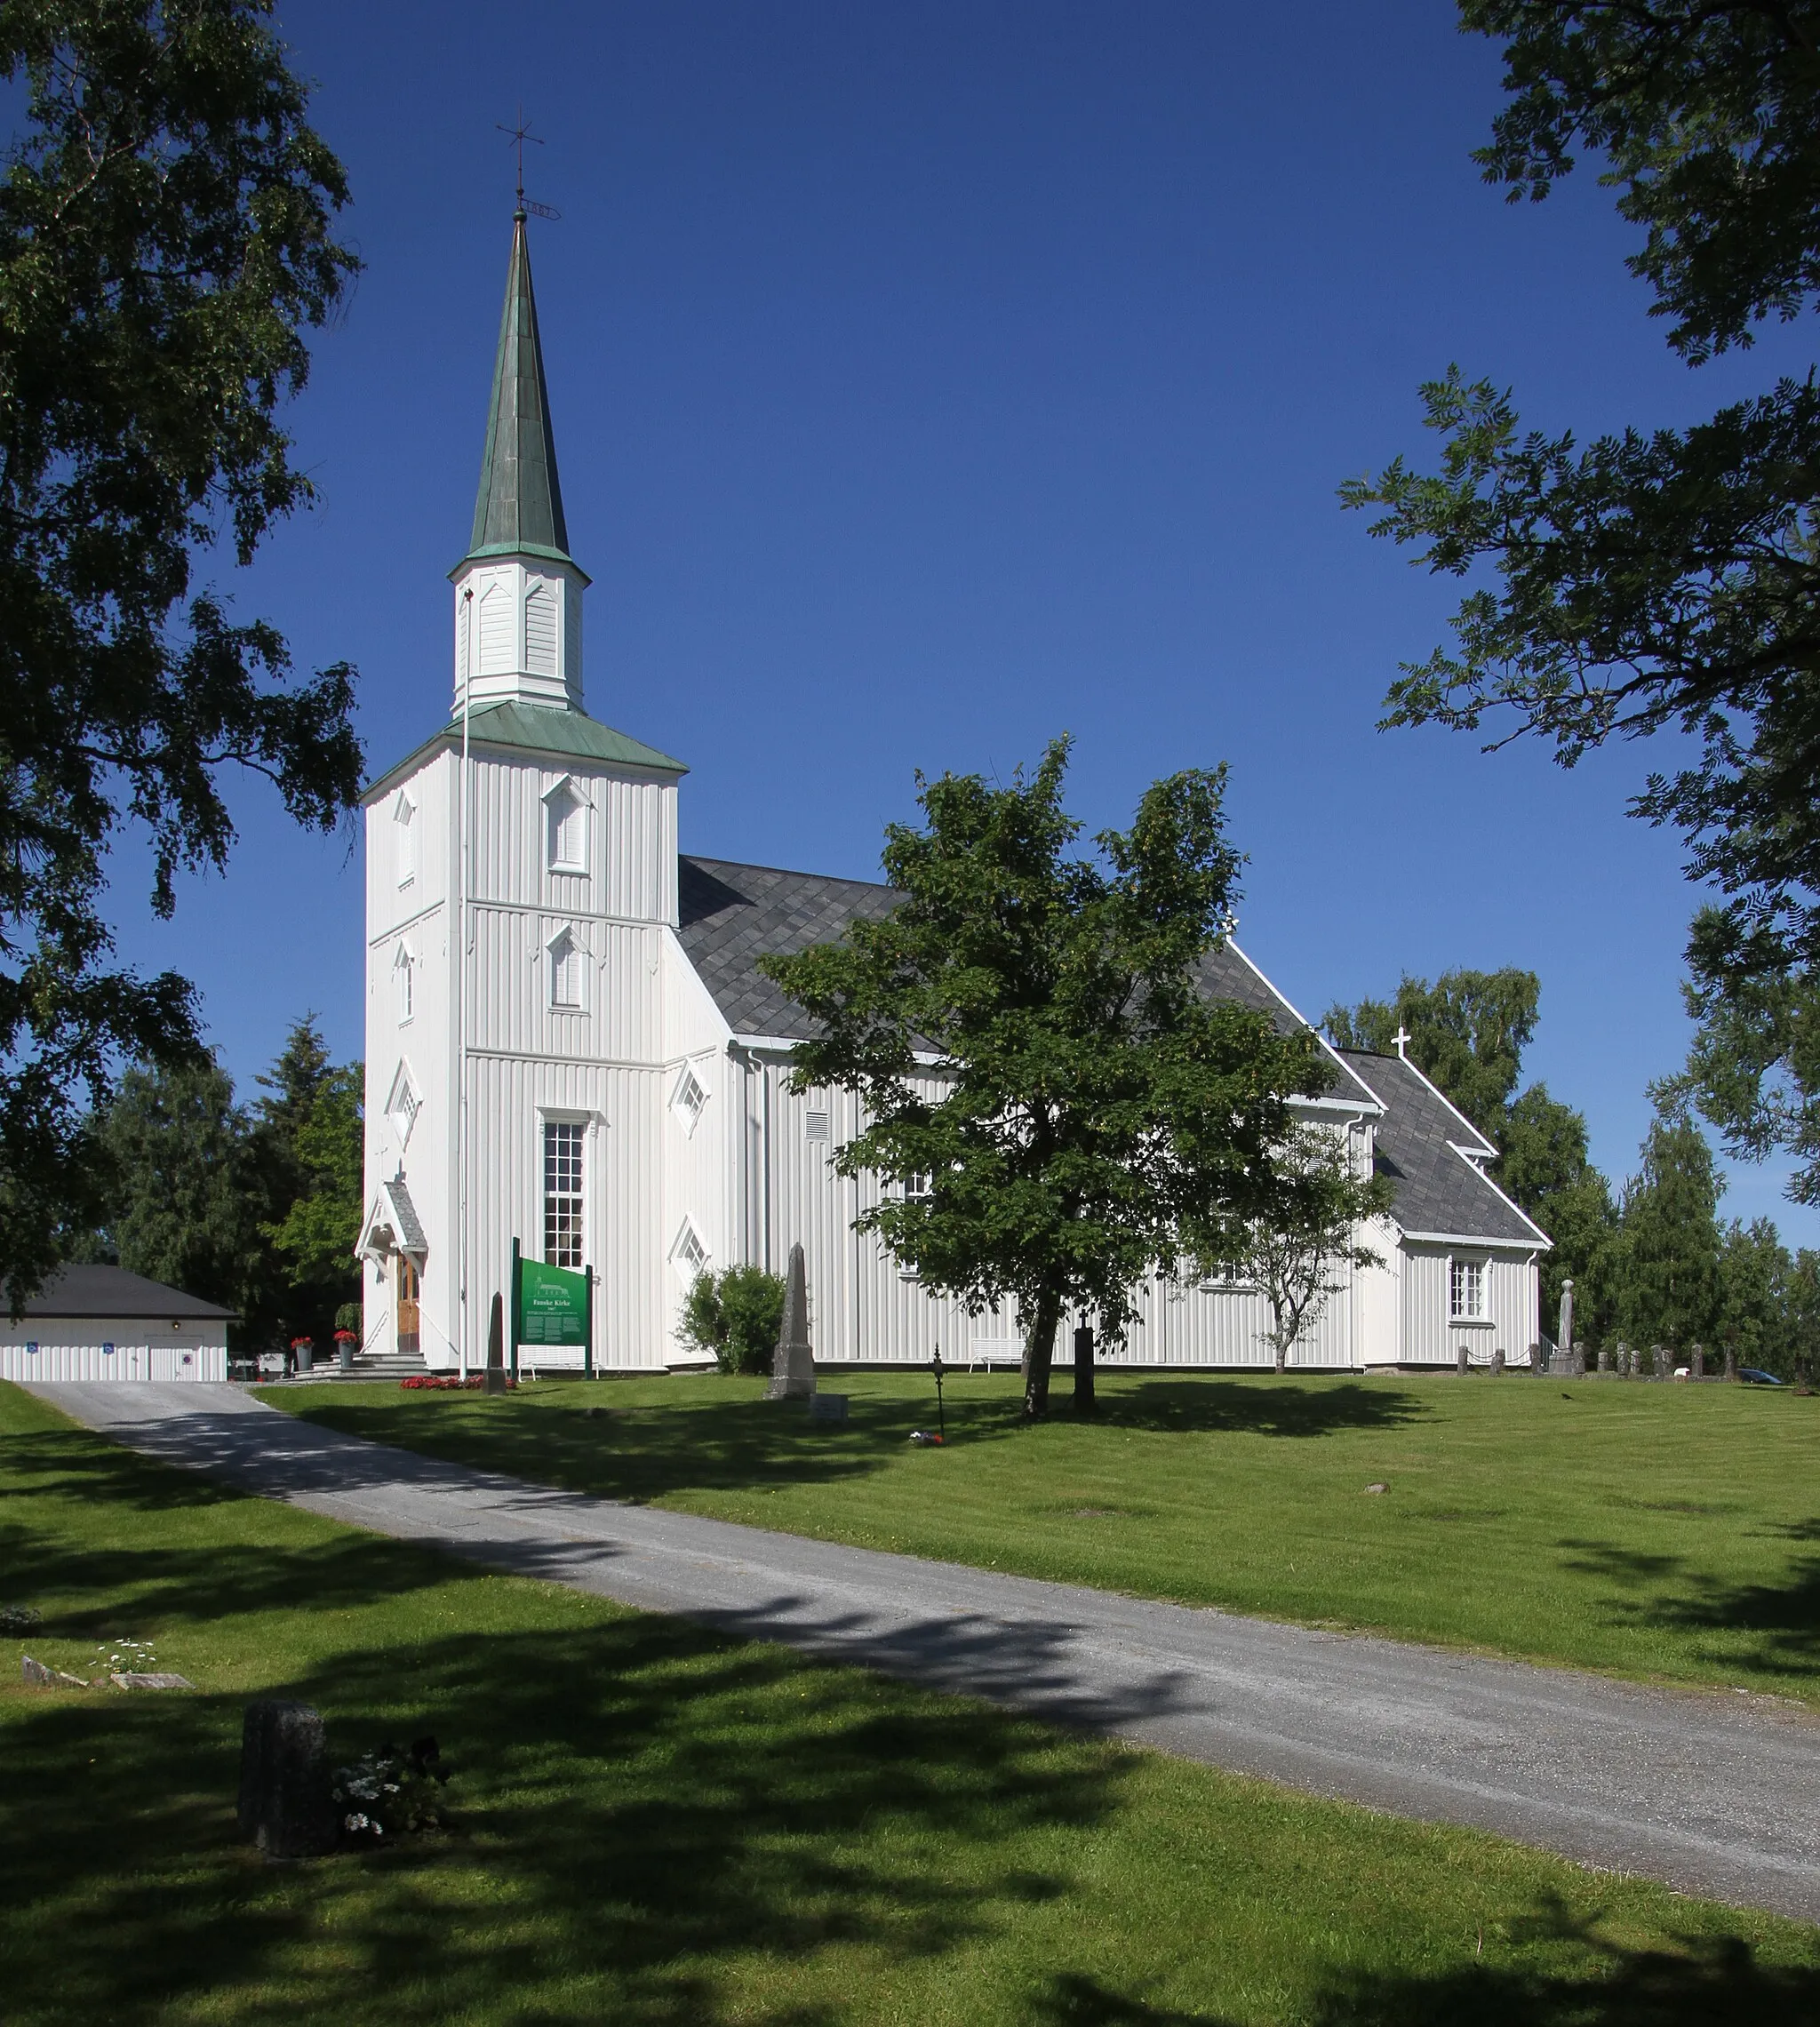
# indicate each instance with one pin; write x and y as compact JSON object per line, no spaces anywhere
{"x":1753,"y":1376}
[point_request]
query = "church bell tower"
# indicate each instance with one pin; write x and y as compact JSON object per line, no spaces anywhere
{"x":518,"y":590}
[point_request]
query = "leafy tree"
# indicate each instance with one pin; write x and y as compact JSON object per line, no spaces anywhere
{"x":304,"y":1156}
{"x":1028,"y":1033}
{"x":1467,"y":1032}
{"x":316,"y":1236}
{"x":1756,"y":1295}
{"x":1299,"y":1255}
{"x":1668,"y":578}
{"x":1543,"y":1164}
{"x":172,"y":1148}
{"x":165,"y":246}
{"x":737,"y":1316}
{"x":1670,"y":1290}
{"x":1800,"y":1346}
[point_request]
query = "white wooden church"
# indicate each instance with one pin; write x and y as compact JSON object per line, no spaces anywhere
{"x":569,"y":1043}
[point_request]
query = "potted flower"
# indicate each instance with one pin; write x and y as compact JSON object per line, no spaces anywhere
{"x":345,"y":1343}
{"x":303,"y":1352}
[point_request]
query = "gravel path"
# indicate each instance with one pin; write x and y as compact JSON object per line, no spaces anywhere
{"x":1715,"y":1793}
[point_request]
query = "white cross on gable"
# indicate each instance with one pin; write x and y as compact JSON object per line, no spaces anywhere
{"x":1402,"y":1038}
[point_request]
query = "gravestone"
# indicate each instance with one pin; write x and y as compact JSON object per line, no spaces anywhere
{"x":1539,"y":1359}
{"x":495,"y":1381}
{"x":1731,"y":1362}
{"x":1497,"y":1363}
{"x":1661,"y":1360}
{"x":1696,"y":1363}
{"x":1624,"y":1359}
{"x":37,"y":1675}
{"x":1605,"y":1358}
{"x":827,"y":1407}
{"x":1460,"y":1361}
{"x":285,"y":1807}
{"x":793,"y":1363}
{"x":150,"y":1679}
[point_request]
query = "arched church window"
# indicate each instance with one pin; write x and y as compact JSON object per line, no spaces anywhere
{"x":540,"y":630}
{"x":565,"y":970}
{"x":566,"y":825}
{"x":403,"y":984}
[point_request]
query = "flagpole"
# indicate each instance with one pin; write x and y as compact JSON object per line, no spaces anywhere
{"x":461,"y":1031}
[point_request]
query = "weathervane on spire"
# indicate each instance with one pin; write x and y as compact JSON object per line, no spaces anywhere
{"x":518,"y":136}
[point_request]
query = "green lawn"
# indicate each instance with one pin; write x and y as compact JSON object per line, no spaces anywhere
{"x":662,"y":1828}
{"x":1663,"y":1532}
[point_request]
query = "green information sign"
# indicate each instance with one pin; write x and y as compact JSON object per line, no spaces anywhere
{"x":552,"y":1304}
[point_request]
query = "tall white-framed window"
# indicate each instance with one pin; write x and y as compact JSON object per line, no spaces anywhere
{"x":689,"y":1253}
{"x":566,"y":828}
{"x":919,"y":1188}
{"x":568,"y":972}
{"x":404,"y":838}
{"x":689,"y":1098}
{"x":403,"y":984}
{"x":565,"y":1167}
{"x":1466,"y":1292}
{"x":402,"y":1103}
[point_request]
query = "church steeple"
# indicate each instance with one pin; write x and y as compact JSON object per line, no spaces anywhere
{"x":518,"y":590}
{"x":519,"y":509}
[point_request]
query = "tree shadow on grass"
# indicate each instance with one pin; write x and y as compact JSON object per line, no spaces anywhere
{"x":745,"y":1445}
{"x":1781,"y":1620}
{"x":1258,"y":1408}
{"x":1578,"y":1977}
{"x":640,"y":1807}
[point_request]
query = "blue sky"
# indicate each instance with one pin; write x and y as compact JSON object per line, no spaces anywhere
{"x":932,"y":379}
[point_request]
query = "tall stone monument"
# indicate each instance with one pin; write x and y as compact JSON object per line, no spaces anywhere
{"x":792,"y":1364}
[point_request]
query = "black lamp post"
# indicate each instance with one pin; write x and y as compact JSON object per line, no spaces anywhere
{"x":941,"y":1420}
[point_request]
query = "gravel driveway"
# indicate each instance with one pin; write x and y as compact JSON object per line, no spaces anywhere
{"x":1716,"y":1793}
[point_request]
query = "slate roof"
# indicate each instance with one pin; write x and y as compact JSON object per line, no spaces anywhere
{"x":729,"y":915}
{"x":100,"y":1290}
{"x":1437,"y":1190}
{"x":536,"y":728}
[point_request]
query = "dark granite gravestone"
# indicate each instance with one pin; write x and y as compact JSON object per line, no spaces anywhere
{"x":495,"y":1381}
{"x":285,"y":1803}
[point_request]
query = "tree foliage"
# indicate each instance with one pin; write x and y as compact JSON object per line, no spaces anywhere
{"x":1670,"y":1286}
{"x":1300,"y":1255}
{"x":1661,"y":579}
{"x":165,"y":244}
{"x":256,"y":1209}
{"x":1467,"y":1032}
{"x":1028,"y":1034}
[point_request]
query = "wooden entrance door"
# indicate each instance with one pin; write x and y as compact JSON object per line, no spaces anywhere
{"x":409,"y":1340}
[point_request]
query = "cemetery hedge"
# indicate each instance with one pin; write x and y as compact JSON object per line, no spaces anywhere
{"x":657,"y":1825}
{"x":1662,"y":1532}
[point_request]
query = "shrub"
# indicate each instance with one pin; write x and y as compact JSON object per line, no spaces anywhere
{"x":736,"y":1315}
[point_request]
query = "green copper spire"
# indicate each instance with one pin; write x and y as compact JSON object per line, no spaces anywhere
{"x":519,"y":509}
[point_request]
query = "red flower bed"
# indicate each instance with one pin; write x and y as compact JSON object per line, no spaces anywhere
{"x":438,"y":1382}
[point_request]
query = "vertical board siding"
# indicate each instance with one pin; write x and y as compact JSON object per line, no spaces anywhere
{"x":69,"y":1348}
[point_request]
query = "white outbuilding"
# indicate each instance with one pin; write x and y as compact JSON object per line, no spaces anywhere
{"x":571,"y":1049}
{"x":101,"y":1322}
